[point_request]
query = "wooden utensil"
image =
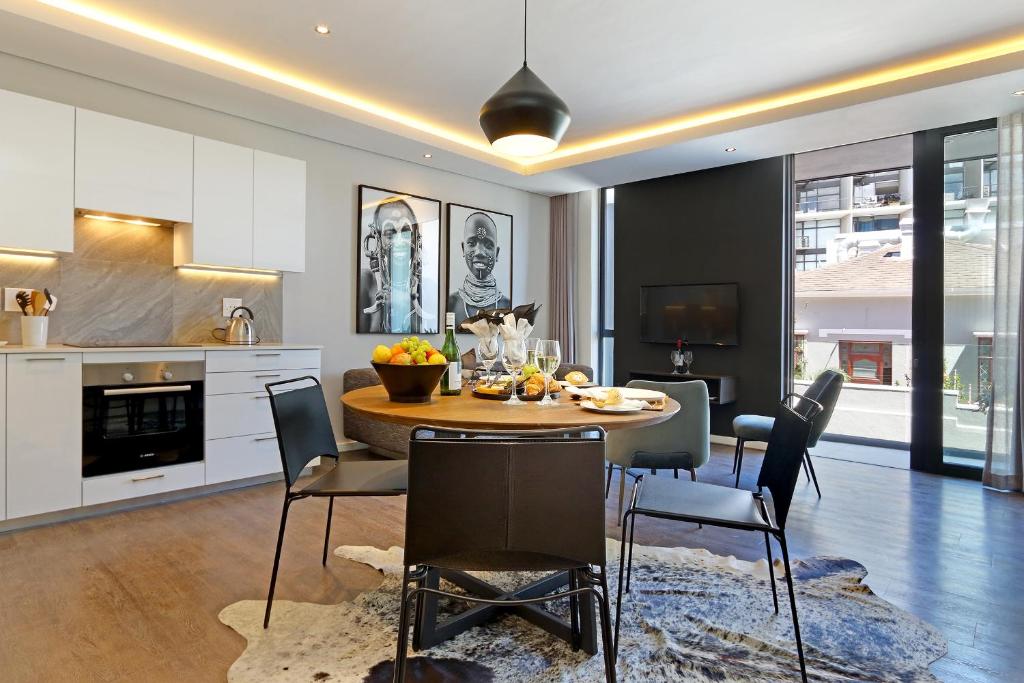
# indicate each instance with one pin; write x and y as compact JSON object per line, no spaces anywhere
{"x":38,"y":303}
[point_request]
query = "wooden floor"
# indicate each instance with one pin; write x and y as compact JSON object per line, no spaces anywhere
{"x":134,"y":596}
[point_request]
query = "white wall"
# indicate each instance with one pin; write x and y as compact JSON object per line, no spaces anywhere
{"x":319,"y":305}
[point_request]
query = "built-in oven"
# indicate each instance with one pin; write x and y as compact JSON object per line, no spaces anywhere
{"x":141,"y":415}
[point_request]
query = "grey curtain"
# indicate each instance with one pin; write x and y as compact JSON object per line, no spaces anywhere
{"x":564,"y":218}
{"x":1004,"y":468}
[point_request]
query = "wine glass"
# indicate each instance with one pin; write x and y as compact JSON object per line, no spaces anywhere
{"x":531,"y":352}
{"x":513,"y":357}
{"x":687,"y":361}
{"x":549,"y":356}
{"x":487,"y":355}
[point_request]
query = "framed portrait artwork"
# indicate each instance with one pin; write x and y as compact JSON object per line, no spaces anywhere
{"x":479,"y":261}
{"x":399,"y":288}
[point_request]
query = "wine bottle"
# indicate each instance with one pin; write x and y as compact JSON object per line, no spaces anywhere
{"x":451,"y":381}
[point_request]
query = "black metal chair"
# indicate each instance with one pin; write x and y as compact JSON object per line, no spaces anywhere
{"x":727,"y":507}
{"x":304,"y":433}
{"x":505,"y":501}
{"x":824,"y":391}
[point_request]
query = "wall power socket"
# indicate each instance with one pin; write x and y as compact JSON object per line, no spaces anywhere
{"x":230,"y":305}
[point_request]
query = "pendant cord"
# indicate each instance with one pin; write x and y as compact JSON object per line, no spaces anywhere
{"x":525,"y":2}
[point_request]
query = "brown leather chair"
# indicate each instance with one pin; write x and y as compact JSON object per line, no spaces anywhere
{"x":504,"y":501}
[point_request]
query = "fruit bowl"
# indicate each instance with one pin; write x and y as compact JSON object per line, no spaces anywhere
{"x":409,"y":383}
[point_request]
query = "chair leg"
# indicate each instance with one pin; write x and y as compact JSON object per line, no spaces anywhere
{"x":608,"y":484}
{"x":327,"y":533}
{"x":792,"y":605}
{"x":629,"y":561}
{"x":803,"y":461}
{"x":277,"y":561}
{"x":739,"y":460}
{"x":735,"y":456}
{"x":675,"y":472}
{"x":574,"y":610}
{"x":771,"y":570}
{"x":810,"y":466}
{"x":606,"y":629}
{"x":622,"y":493}
{"x":403,"y":631}
{"x":622,"y":571}
{"x":693,"y":477}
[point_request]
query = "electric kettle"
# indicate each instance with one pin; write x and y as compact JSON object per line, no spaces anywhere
{"x":239,"y":330}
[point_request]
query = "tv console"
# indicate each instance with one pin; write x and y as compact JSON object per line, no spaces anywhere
{"x":721,"y":388}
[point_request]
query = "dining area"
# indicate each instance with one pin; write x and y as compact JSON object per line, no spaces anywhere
{"x":519,"y":561}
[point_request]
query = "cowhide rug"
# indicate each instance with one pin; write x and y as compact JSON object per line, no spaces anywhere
{"x":691,"y":616}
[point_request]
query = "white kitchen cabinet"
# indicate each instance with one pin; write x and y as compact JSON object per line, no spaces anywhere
{"x":44,"y":433}
{"x":242,"y":457}
{"x":221,"y":232}
{"x":3,"y":437}
{"x":132,"y":168}
{"x":125,"y":485}
{"x":279,"y":212}
{"x":37,"y":173}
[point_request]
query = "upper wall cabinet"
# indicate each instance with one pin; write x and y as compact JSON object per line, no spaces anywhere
{"x":222,"y":206}
{"x":37,"y":173}
{"x":131,"y":168}
{"x":279,"y":212}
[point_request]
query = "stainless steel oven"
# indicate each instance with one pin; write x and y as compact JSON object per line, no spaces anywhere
{"x":141,"y":415}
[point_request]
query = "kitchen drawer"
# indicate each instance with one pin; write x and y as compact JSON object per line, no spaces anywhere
{"x":247,"y":382}
{"x":262,"y":359}
{"x":111,"y":487}
{"x":241,"y":457}
{"x":238,"y":415}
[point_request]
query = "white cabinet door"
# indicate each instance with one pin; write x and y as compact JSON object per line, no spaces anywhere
{"x":132,"y":168}
{"x":279,"y":212}
{"x":242,"y":457}
{"x":3,"y":437}
{"x":44,"y":433}
{"x":37,"y":173}
{"x":223,"y":204}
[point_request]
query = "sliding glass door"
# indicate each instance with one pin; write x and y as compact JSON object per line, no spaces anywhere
{"x":956,"y":179}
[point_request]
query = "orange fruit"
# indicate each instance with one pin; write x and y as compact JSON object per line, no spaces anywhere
{"x":397,"y":349}
{"x":401,"y":359}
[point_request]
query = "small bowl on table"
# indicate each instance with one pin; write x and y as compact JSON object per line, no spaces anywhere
{"x":409,"y":383}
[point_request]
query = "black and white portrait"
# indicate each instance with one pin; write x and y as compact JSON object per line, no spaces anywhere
{"x":399,"y":248}
{"x":479,"y":261}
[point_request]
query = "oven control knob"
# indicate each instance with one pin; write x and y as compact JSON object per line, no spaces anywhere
{"x":128,"y":377}
{"x":167,"y":375}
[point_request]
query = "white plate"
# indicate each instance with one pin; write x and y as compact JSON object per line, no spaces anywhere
{"x":618,"y":408}
{"x":630,"y":393}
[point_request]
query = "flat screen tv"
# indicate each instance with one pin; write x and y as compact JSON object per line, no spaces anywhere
{"x":697,"y":314}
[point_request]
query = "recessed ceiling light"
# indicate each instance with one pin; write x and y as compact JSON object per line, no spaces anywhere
{"x":730,"y":149}
{"x":322,"y":29}
{"x":427,"y":156}
{"x":1019,"y":93}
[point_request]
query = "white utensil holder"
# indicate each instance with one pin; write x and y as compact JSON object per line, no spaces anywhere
{"x":34,"y":329}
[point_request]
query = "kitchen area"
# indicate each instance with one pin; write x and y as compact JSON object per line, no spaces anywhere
{"x":142,"y":277}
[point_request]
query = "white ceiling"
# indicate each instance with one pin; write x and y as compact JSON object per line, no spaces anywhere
{"x":618,"y":65}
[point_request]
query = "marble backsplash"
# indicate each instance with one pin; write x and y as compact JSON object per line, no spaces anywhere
{"x":120,"y":286}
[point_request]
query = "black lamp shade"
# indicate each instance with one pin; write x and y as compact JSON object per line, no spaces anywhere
{"x":525,"y":111}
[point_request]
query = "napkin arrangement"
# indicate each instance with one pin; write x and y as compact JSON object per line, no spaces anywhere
{"x":486,"y":333}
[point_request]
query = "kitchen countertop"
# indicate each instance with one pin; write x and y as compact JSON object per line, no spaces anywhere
{"x":62,"y":348}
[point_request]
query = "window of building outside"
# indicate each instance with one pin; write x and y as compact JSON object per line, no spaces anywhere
{"x":876,"y":189}
{"x":812,"y":238}
{"x":866,"y":362}
{"x":984,"y":371}
{"x":818,"y":195}
{"x":874,"y":223}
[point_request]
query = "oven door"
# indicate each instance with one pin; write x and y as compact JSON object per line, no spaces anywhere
{"x":139,"y":427}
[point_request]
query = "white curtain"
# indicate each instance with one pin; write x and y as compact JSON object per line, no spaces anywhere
{"x":1003,"y":462}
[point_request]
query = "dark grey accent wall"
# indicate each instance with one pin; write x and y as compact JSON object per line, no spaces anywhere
{"x":724,"y":224}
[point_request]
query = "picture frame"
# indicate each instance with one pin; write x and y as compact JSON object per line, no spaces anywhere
{"x":398,"y":262}
{"x":480,"y":261}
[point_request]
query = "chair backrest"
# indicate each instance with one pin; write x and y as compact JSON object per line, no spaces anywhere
{"x":688,"y":431}
{"x":784,"y":456}
{"x":565,"y":368}
{"x":825,"y":390}
{"x":515,"y":501}
{"x":357,"y":378}
{"x":303,"y":425}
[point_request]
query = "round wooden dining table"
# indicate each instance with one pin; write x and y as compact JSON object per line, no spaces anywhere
{"x":465,"y":411}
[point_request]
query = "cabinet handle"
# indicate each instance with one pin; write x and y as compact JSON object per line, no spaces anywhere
{"x":261,"y":355}
{"x":147,"y":478}
{"x":34,"y":360}
{"x":265,"y":438}
{"x":165,"y":389}
{"x":278,"y":374}
{"x":261,"y":396}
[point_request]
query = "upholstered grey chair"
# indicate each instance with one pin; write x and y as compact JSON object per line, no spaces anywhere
{"x":565,"y":368}
{"x":682,"y":442}
{"x":824,"y":390}
{"x":381,"y":438}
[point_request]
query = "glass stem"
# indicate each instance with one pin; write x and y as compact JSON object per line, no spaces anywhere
{"x":547,"y":385}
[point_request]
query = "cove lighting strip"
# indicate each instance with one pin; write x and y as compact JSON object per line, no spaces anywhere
{"x":228,"y":270}
{"x":115,"y":219}
{"x":27,"y":253}
{"x":870,"y":79}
